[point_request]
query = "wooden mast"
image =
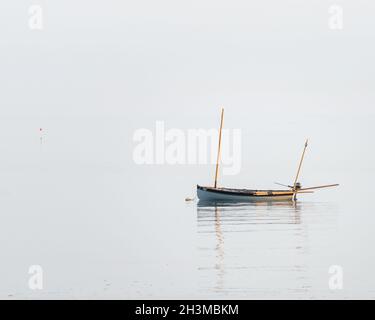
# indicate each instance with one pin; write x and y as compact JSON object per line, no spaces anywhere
{"x":299,"y":169}
{"x":219,"y":147}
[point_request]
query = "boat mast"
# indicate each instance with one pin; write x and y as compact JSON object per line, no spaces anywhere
{"x":299,"y":169}
{"x":219,"y":147}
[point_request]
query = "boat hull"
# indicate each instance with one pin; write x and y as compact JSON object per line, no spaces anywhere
{"x":241,"y":195}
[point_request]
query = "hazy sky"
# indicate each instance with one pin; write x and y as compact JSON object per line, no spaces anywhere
{"x":277,"y":67}
{"x":161,"y":57}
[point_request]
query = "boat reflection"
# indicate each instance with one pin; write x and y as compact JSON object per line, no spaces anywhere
{"x":255,"y":212}
{"x":238,"y":227}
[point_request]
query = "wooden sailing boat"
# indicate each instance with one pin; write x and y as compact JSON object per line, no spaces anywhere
{"x":230,"y":194}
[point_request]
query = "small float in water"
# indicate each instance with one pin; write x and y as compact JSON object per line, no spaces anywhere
{"x":207,"y":193}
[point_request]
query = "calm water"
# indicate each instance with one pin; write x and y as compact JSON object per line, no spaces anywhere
{"x":102,"y":227}
{"x":263,"y":250}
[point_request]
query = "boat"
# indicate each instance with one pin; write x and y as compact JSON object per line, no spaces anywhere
{"x":244,"y":195}
{"x":240,"y":195}
{"x":221,"y":194}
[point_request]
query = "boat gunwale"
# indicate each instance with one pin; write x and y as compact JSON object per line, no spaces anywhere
{"x":247,"y":192}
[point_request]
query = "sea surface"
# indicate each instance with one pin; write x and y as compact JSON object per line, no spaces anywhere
{"x":73,"y":202}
